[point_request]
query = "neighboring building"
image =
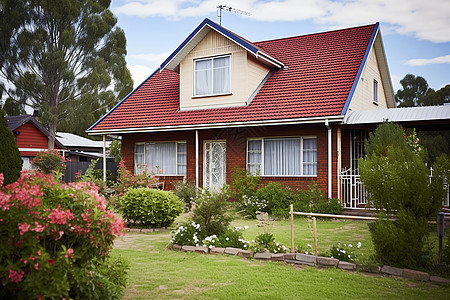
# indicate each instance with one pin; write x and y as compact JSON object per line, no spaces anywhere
{"x":81,"y":148}
{"x":278,"y":106}
{"x":31,"y":137}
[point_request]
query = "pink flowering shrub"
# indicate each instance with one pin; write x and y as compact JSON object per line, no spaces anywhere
{"x":126,"y":180}
{"x":49,"y":161}
{"x":55,"y":241}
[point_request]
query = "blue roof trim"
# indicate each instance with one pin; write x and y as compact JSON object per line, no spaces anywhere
{"x":215,"y":26}
{"x":126,"y":97}
{"x":361,"y":67}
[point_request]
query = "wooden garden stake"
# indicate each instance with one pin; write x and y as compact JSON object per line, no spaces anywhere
{"x":292,"y":228}
{"x":315,"y":236}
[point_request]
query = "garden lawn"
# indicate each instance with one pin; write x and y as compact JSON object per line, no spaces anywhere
{"x":160,"y":273}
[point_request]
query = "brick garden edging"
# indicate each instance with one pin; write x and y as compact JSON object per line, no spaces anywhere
{"x":315,"y":261}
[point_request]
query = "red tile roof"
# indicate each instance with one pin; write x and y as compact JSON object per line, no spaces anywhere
{"x":321,"y":71}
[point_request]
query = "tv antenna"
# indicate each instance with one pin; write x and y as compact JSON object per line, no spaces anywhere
{"x":230,"y":9}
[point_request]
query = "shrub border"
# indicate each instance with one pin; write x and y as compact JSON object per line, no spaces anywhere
{"x":316,"y":261}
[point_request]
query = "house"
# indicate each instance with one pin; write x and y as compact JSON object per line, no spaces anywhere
{"x":31,"y":137}
{"x":279,"y":106}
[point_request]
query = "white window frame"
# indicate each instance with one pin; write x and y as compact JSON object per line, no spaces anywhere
{"x":261,"y":170}
{"x":375,"y":91}
{"x":212,"y":77}
{"x":138,"y":169}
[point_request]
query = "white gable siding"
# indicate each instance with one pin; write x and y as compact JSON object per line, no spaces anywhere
{"x":245,"y":74}
{"x":363,"y":96}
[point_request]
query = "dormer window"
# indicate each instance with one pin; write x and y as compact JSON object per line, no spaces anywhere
{"x":212,"y":76}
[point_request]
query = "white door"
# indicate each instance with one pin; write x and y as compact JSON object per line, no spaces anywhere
{"x":214,"y":165}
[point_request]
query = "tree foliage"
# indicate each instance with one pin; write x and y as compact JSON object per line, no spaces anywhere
{"x":65,"y":57}
{"x":416,"y":92}
{"x":10,"y":158}
{"x":398,"y":182}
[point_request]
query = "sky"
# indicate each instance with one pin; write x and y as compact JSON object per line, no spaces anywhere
{"x":416,"y":33}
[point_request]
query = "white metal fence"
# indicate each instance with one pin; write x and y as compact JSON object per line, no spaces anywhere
{"x":353,"y":193}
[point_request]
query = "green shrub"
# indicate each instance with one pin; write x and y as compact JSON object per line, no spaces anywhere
{"x":126,"y":180}
{"x":250,"y":205}
{"x":210,"y":211}
{"x":49,"y":161}
{"x":187,"y":234}
{"x":244,"y":183}
{"x":10,"y":158}
{"x":278,"y":198}
{"x":187,"y":192}
{"x":150,"y":208}
{"x":232,"y":237}
{"x":266,"y":242}
{"x":397,"y":181}
{"x":55,"y":241}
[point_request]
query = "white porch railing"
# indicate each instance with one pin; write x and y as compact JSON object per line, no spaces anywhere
{"x":353,"y":193}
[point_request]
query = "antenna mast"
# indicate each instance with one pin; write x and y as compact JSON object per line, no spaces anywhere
{"x":230,"y":9}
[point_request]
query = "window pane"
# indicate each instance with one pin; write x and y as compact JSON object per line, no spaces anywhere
{"x":161,"y":156}
{"x":139,"y":159}
{"x":254,"y":155}
{"x":181,"y":158}
{"x":282,"y":156}
{"x":221,"y":75}
{"x":375,"y":91}
{"x":203,"y":77}
{"x":310,"y":156}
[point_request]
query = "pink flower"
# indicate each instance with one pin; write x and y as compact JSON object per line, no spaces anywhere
{"x":36,"y":266}
{"x":2,"y":178}
{"x":50,"y":261}
{"x":39,"y":228}
{"x":58,"y":216}
{"x":4,"y":200}
{"x":39,"y":252}
{"x":14,"y":276}
{"x":23,"y":227}
{"x":69,"y":253}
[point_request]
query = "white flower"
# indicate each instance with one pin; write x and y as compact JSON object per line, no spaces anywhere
{"x":227,"y":239}
{"x":306,"y":252}
{"x":343,"y":251}
{"x":309,"y":245}
{"x":245,"y":227}
{"x":349,"y":256}
{"x":359,"y":245}
{"x":277,"y":244}
{"x":350,"y":245}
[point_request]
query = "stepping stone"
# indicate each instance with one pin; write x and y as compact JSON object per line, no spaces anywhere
{"x":232,"y":251}
{"x":176,"y":247}
{"x":439,"y":280}
{"x":263,"y":256}
{"x":201,"y":249}
{"x":415,"y":275}
{"x":277,"y":257}
{"x":188,"y":248}
{"x":391,"y":270}
{"x":217,"y":250}
{"x":245,"y":253}
{"x":306,"y":259}
{"x":348,"y":266}
{"x":327,"y":261}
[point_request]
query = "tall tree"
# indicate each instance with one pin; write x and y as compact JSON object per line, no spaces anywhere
{"x":10,"y":158}
{"x":414,"y":89}
{"x":65,"y":58}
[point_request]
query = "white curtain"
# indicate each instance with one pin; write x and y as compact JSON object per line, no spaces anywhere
{"x":282,"y":156}
{"x":221,"y":75}
{"x":181,"y":159}
{"x":203,"y":77}
{"x":309,"y":157}
{"x":254,"y":155}
{"x":161,"y":156}
{"x":139,"y":159}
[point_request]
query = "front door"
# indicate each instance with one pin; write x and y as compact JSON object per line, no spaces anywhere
{"x":214,"y":165}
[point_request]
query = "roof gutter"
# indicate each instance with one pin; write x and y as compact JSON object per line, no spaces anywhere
{"x":299,"y":121}
{"x":269,"y":59}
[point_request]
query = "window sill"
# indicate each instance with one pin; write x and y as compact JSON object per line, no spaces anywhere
{"x":288,"y":176}
{"x":212,"y":95}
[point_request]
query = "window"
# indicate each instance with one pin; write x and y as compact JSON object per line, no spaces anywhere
{"x":282,"y":156}
{"x":169,"y":157}
{"x":212,"y":76}
{"x":375,"y":91}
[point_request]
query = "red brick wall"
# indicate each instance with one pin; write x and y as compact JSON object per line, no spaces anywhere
{"x":236,"y":145}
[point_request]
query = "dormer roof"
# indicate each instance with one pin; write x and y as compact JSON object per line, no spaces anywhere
{"x":173,"y":61}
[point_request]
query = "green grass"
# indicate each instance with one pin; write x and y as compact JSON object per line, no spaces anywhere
{"x":160,"y":273}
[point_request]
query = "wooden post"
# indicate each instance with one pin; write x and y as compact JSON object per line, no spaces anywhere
{"x":292,"y":228}
{"x":315,"y":236}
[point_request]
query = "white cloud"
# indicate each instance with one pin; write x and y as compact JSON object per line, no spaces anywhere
{"x":139,"y":73}
{"x":429,"y":61}
{"x":425,"y":20}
